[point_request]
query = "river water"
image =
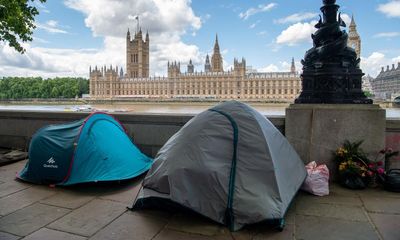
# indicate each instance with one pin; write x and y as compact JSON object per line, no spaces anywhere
{"x":159,"y":108}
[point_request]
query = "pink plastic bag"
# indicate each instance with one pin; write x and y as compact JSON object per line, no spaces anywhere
{"x":317,"y":181}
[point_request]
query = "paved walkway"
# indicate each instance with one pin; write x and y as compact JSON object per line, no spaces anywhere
{"x":98,"y":211}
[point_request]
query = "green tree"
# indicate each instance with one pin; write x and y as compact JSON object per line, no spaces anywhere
{"x":17,"y":88}
{"x":17,"y":22}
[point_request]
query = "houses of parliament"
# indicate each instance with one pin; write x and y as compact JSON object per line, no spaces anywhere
{"x":211,"y":83}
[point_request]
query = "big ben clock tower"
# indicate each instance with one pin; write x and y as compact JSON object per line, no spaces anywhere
{"x":354,"y":39}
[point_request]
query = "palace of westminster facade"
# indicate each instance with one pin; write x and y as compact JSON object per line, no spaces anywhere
{"x":212,"y":83}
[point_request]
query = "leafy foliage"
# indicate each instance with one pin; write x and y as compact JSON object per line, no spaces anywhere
{"x":17,"y":22}
{"x":17,"y":87}
{"x":368,"y":94}
{"x":351,"y":158}
{"x":350,"y":150}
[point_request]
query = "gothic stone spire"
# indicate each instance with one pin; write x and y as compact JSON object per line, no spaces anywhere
{"x":216,"y":58}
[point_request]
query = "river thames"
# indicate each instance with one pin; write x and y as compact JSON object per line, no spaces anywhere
{"x":158,"y":108}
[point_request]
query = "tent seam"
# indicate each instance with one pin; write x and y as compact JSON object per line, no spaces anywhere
{"x":232,"y":176}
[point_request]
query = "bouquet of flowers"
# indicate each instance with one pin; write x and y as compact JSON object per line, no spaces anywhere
{"x":353,"y":165}
{"x":356,"y":171}
{"x":377,"y":167}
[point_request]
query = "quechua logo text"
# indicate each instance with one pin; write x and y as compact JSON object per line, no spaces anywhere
{"x":50,"y":163}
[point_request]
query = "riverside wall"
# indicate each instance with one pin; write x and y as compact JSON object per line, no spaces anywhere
{"x":148,"y":131}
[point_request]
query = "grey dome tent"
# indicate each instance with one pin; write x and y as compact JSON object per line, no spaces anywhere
{"x":229,"y":164}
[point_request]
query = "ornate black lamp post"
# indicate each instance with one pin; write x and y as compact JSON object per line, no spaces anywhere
{"x":331,"y":71}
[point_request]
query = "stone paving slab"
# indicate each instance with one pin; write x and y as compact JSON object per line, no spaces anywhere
{"x":7,"y":175}
{"x":23,"y":198}
{"x":126,"y":194}
{"x":12,"y":187}
{"x":68,"y":199}
{"x":378,"y":192}
{"x":131,"y":226}
{"x":291,"y":213}
{"x":168,"y":234}
{"x":90,"y":218}
{"x":273,"y":234}
{"x":7,"y":236}
{"x":165,"y":215}
{"x":30,"y":219}
{"x":335,"y":189}
{"x":344,"y":212}
{"x":382,"y":205}
{"x":99,"y":211}
{"x":325,"y":228}
{"x":244,"y":234}
{"x":50,"y":234}
{"x":195,"y":224}
{"x":388,"y":225}
{"x":332,"y":198}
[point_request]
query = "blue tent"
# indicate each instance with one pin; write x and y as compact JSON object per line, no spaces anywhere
{"x":90,"y":150}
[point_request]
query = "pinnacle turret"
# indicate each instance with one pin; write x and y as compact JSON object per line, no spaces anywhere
{"x":190,"y":67}
{"x":216,"y":45}
{"x":352,"y":23}
{"x":207,"y":66}
{"x":293,"y":66}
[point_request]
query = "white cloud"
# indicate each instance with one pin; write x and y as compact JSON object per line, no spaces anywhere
{"x":373,"y":64}
{"x":39,"y":40}
{"x":296,"y":33}
{"x":301,"y":32}
{"x":51,"y":26}
{"x":52,"y":23}
{"x":387,"y":34}
{"x":260,"y":8}
{"x":50,"y":62}
{"x":108,"y":18}
{"x":390,"y":9}
{"x":254,"y":24}
{"x":269,"y":68}
{"x":297,"y":17}
{"x":166,"y":21}
{"x":262,"y":33}
{"x":205,"y":18}
{"x":282,"y":67}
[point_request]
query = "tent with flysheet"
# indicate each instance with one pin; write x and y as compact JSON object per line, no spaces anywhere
{"x":93,"y":149}
{"x":229,"y":164}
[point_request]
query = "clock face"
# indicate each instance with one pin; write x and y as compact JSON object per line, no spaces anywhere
{"x":353,"y":45}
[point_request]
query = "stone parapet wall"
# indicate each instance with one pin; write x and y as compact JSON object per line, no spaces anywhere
{"x":148,"y":131}
{"x":393,"y":140}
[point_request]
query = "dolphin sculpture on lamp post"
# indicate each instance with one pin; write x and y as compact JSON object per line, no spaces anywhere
{"x":331,"y":69}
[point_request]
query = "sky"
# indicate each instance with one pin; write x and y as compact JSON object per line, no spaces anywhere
{"x":72,"y":35}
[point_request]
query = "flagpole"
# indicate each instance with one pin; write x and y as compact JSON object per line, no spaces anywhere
{"x":137,"y":28}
